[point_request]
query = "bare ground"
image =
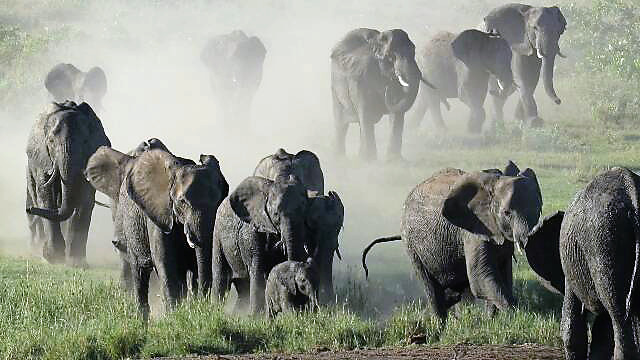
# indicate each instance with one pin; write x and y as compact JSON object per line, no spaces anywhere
{"x":451,"y":352}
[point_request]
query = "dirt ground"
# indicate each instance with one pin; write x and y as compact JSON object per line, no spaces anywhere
{"x":455,"y":352}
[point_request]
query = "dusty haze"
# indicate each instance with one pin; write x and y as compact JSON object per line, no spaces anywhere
{"x":157,"y":87}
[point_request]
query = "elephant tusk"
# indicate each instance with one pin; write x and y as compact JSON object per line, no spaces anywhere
{"x":338,"y":254}
{"x":427,"y":83}
{"x":519,"y":248}
{"x":540,"y":53}
{"x":402,"y":81}
{"x":52,"y":177}
{"x":500,"y":85}
{"x":190,"y":241}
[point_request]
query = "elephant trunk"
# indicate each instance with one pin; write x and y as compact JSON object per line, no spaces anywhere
{"x":400,"y":95}
{"x":548,"y":63}
{"x":325,"y":273}
{"x":203,"y":248}
{"x":294,"y":237}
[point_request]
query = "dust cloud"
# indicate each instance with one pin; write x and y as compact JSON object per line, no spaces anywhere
{"x":157,"y":87}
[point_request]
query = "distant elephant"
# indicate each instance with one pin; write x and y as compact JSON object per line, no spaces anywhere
{"x":372,"y":74}
{"x":291,"y":285}
{"x":459,"y":66}
{"x":235,"y":63}
{"x":459,"y":230}
{"x":165,"y":218}
{"x":533,"y":34}
{"x":65,"y":82}
{"x":593,"y":256}
{"x":305,"y":165}
{"x":106,"y":170}
{"x":264,"y":223}
{"x":60,"y":143}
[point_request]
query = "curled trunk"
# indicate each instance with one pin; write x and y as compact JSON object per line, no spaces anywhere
{"x":400,"y":95}
{"x":548,"y":63}
{"x":294,"y":237}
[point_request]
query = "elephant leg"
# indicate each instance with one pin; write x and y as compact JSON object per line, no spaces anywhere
{"x":505,"y":267}
{"x":78,"y":232}
{"x":601,"y":346}
{"x":497,"y":116}
{"x":485,"y":280}
{"x":519,"y":114}
{"x":166,"y":260}
{"x":221,"y":274}
{"x":126,"y":275}
{"x":419,"y":108}
{"x":54,"y":248}
{"x":368,"y":150}
{"x":395,"y":142}
{"x":574,"y":327}
{"x":476,"y":119}
{"x":527,"y":70}
{"x":435,"y":292}
{"x":36,"y":228}
{"x":243,"y":290}
{"x":141,"y":283}
{"x":435,"y":111}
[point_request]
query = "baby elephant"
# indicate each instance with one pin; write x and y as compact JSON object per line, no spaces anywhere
{"x":291,"y":285}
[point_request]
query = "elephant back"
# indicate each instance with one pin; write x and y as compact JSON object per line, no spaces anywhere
{"x":434,"y":190}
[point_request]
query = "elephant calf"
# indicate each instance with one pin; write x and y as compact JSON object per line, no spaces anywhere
{"x":291,"y":285}
{"x":459,"y":230}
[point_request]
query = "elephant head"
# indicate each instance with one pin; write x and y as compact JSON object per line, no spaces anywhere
{"x":499,"y":207}
{"x":325,"y":218}
{"x":486,"y":53}
{"x":396,"y":53}
{"x":531,"y":31}
{"x":171,"y":193}
{"x":73,"y":133}
{"x":66,"y":82}
{"x":543,"y":252}
{"x":276,"y":207}
{"x":305,"y":165}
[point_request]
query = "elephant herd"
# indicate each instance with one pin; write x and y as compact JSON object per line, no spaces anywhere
{"x":275,"y":235}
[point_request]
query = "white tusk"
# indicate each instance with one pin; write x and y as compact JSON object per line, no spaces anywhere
{"x":539,"y":53}
{"x":402,"y":82}
{"x":189,"y":241}
{"x":519,"y":248}
{"x":500,"y":85}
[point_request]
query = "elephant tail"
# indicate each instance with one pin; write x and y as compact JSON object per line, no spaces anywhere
{"x":366,"y":250}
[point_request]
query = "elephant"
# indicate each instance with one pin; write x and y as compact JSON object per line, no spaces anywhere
{"x":265,"y":222}
{"x":291,"y":285}
{"x":593,"y":257}
{"x":235,"y":63}
{"x":373,"y":73}
{"x":60,"y":143}
{"x":460,"y":66}
{"x":305,"y":165}
{"x":459,"y":229}
{"x":164,"y":218}
{"x":533,"y":34}
{"x":66,"y":82}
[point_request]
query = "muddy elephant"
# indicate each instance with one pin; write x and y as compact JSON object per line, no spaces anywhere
{"x":533,"y":34}
{"x":165,"y":218}
{"x":264,"y":223}
{"x":373,"y":74}
{"x":59,"y":145}
{"x":591,"y":252}
{"x":459,"y":230}
{"x":235,"y":63}
{"x":66,"y":82}
{"x":459,"y":66}
{"x":305,"y":165}
{"x":291,"y":285}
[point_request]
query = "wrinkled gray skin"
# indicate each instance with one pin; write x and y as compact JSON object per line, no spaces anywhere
{"x":372,"y":74}
{"x":533,"y":34}
{"x":597,"y":245}
{"x":325,"y":216}
{"x":459,"y":66}
{"x":164,"y":217}
{"x":235,"y":63}
{"x":305,"y":165}
{"x":264,"y":223}
{"x":65,"y":82}
{"x":291,"y":286}
{"x":105,"y":171}
{"x":459,"y":230}
{"x":60,"y":143}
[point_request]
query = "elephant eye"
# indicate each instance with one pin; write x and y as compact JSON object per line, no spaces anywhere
{"x":506,"y":212}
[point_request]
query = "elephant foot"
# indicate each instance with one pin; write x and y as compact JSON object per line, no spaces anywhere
{"x":53,"y":256}
{"x":80,"y":263}
{"x":368,"y":157}
{"x":474,"y":127}
{"x":396,"y":158}
{"x":536,"y":122}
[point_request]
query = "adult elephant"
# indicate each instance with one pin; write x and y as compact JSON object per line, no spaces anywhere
{"x":60,"y":143}
{"x":235,"y":63}
{"x":594,"y":247}
{"x":459,"y":66}
{"x":373,"y":73}
{"x":305,"y":165}
{"x":533,"y":34}
{"x":265,"y":222}
{"x":459,"y":230}
{"x":66,"y":82}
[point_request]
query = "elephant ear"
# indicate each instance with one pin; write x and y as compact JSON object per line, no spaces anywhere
{"x":149,"y":183}
{"x":543,"y":252}
{"x":59,"y":82}
{"x":96,"y":82}
{"x":250,"y":50}
{"x":311,"y":171}
{"x":509,"y":22}
{"x":511,"y":169}
{"x":531,"y":175}
{"x":353,"y":53}
{"x":561,"y":18}
{"x":468,"y":45}
{"x":249,"y":203}
{"x":468,"y":205}
{"x":105,"y":170}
